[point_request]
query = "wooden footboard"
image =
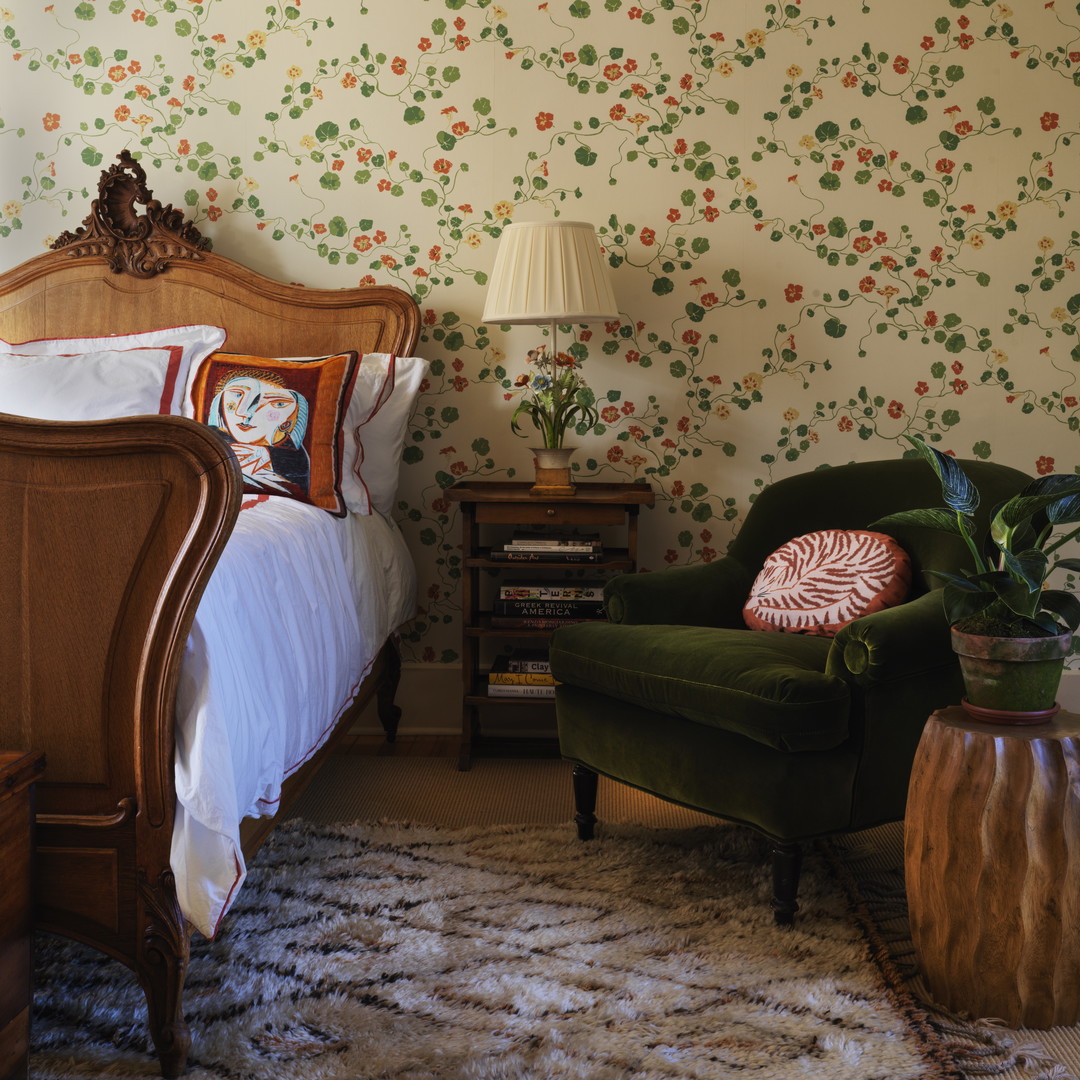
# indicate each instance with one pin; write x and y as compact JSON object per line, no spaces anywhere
{"x":108,"y":532}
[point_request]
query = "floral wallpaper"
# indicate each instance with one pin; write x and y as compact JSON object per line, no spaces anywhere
{"x":828,"y":225}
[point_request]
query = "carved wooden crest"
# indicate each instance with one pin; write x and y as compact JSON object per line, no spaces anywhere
{"x":132,"y":243}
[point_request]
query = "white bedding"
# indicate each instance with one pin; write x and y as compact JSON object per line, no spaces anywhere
{"x":290,"y":623}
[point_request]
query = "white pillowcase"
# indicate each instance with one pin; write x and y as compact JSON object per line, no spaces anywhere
{"x":103,"y":377}
{"x":385,"y":395}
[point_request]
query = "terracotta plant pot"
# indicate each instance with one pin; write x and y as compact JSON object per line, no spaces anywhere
{"x":1011,"y":680}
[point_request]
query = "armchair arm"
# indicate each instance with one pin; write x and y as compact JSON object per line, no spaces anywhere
{"x":899,"y":642}
{"x":705,"y":594}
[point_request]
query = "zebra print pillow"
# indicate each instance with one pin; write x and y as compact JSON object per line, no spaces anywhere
{"x":817,"y":583}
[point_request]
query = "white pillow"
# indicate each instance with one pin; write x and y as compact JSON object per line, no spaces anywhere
{"x":102,"y":377}
{"x":385,"y":395}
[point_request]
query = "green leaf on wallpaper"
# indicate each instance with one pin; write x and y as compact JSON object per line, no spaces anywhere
{"x":337,"y":226}
{"x":955,"y":343}
{"x":191,"y":197}
{"x":429,"y":197}
{"x":699,"y":245}
{"x":677,"y":369}
{"x":447,"y":140}
{"x":685,"y":538}
{"x":662,"y":286}
{"x":982,"y":279}
{"x":837,"y":227}
{"x":455,"y":5}
{"x":482,"y":106}
{"x":830,"y":181}
{"x":835,"y":328}
{"x":954,"y":73}
{"x":705,"y":171}
{"x":731,"y":107}
{"x":915,"y":115}
{"x":584,"y":156}
{"x":413,"y":114}
{"x":681,"y":25}
{"x":330,"y":180}
{"x":702,"y":512}
{"x":448,"y":414}
{"x":85,"y":12}
{"x":327,"y":131}
{"x":91,"y":157}
{"x":92,"y":56}
{"x":986,"y":105}
{"x":182,"y":27}
{"x":579,"y":9}
{"x":931,"y":197}
{"x":732,"y":278}
{"x":451,"y":74}
{"x":234,"y":108}
{"x":950,"y":417}
{"x":981,"y":450}
{"x":827,"y":131}
{"x":115,"y":8}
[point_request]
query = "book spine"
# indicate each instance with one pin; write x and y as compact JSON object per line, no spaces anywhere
{"x":546,"y":556}
{"x":554,"y":548}
{"x":562,"y":609}
{"x":517,"y":690}
{"x":525,"y":667}
{"x":549,"y":540}
{"x":529,"y":622}
{"x":520,"y":678}
{"x":551,"y":592}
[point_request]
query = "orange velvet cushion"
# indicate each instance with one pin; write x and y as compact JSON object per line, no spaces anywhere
{"x":283,"y":421}
{"x":819,"y":582}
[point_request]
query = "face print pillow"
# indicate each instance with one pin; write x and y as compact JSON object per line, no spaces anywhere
{"x":283,"y":421}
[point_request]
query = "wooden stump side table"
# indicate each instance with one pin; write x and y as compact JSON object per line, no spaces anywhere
{"x":992,"y":867}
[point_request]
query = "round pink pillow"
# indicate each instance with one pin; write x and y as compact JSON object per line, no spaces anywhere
{"x":819,"y":582}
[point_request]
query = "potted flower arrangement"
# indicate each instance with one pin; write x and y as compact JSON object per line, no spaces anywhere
{"x":1010,"y":632}
{"x":555,"y":398}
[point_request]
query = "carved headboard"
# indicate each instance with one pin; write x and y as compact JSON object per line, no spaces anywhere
{"x":126,"y":270}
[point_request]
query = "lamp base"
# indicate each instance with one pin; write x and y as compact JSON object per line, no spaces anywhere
{"x":552,"y":471}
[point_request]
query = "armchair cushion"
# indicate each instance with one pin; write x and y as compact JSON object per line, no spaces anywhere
{"x":819,"y":582}
{"x":770,"y":687}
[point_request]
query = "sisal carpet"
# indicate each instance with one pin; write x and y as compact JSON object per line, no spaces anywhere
{"x":510,"y":952}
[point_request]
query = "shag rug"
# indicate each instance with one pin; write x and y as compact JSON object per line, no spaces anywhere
{"x":371,"y":951}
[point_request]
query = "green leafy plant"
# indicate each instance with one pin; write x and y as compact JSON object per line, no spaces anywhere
{"x":554,"y":397}
{"x":1005,"y":593}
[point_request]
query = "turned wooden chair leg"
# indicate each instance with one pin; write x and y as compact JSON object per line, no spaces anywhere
{"x":389,"y":713}
{"x":585,"y":783}
{"x":786,"y":867}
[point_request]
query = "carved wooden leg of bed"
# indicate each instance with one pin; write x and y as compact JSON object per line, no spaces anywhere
{"x":161,"y":962}
{"x":389,"y":713}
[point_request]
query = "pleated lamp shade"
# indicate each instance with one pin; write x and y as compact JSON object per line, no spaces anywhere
{"x":549,"y":271}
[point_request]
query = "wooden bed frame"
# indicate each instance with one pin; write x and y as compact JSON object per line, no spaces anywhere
{"x":109,"y":531}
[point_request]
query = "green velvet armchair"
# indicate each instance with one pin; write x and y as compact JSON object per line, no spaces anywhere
{"x":795,"y":735}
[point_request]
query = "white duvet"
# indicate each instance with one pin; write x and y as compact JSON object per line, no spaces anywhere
{"x":291,"y":621}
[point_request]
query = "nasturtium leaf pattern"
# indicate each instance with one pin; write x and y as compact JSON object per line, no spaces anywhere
{"x":829,"y":226}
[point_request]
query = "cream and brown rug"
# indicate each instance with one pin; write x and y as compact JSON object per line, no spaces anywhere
{"x":371,"y":951}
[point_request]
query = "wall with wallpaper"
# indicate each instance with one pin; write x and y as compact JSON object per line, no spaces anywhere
{"x":829,"y":225}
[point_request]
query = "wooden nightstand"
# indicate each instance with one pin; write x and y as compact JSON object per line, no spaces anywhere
{"x":490,"y":509}
{"x":17,"y":773}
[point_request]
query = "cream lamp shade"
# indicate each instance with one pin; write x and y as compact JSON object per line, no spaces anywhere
{"x":549,"y":272}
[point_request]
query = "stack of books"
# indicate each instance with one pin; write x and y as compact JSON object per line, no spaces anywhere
{"x":555,"y":545}
{"x":526,"y":674}
{"x":544,"y":605}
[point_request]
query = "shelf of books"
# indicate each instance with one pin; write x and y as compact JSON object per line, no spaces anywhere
{"x":532,"y":565}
